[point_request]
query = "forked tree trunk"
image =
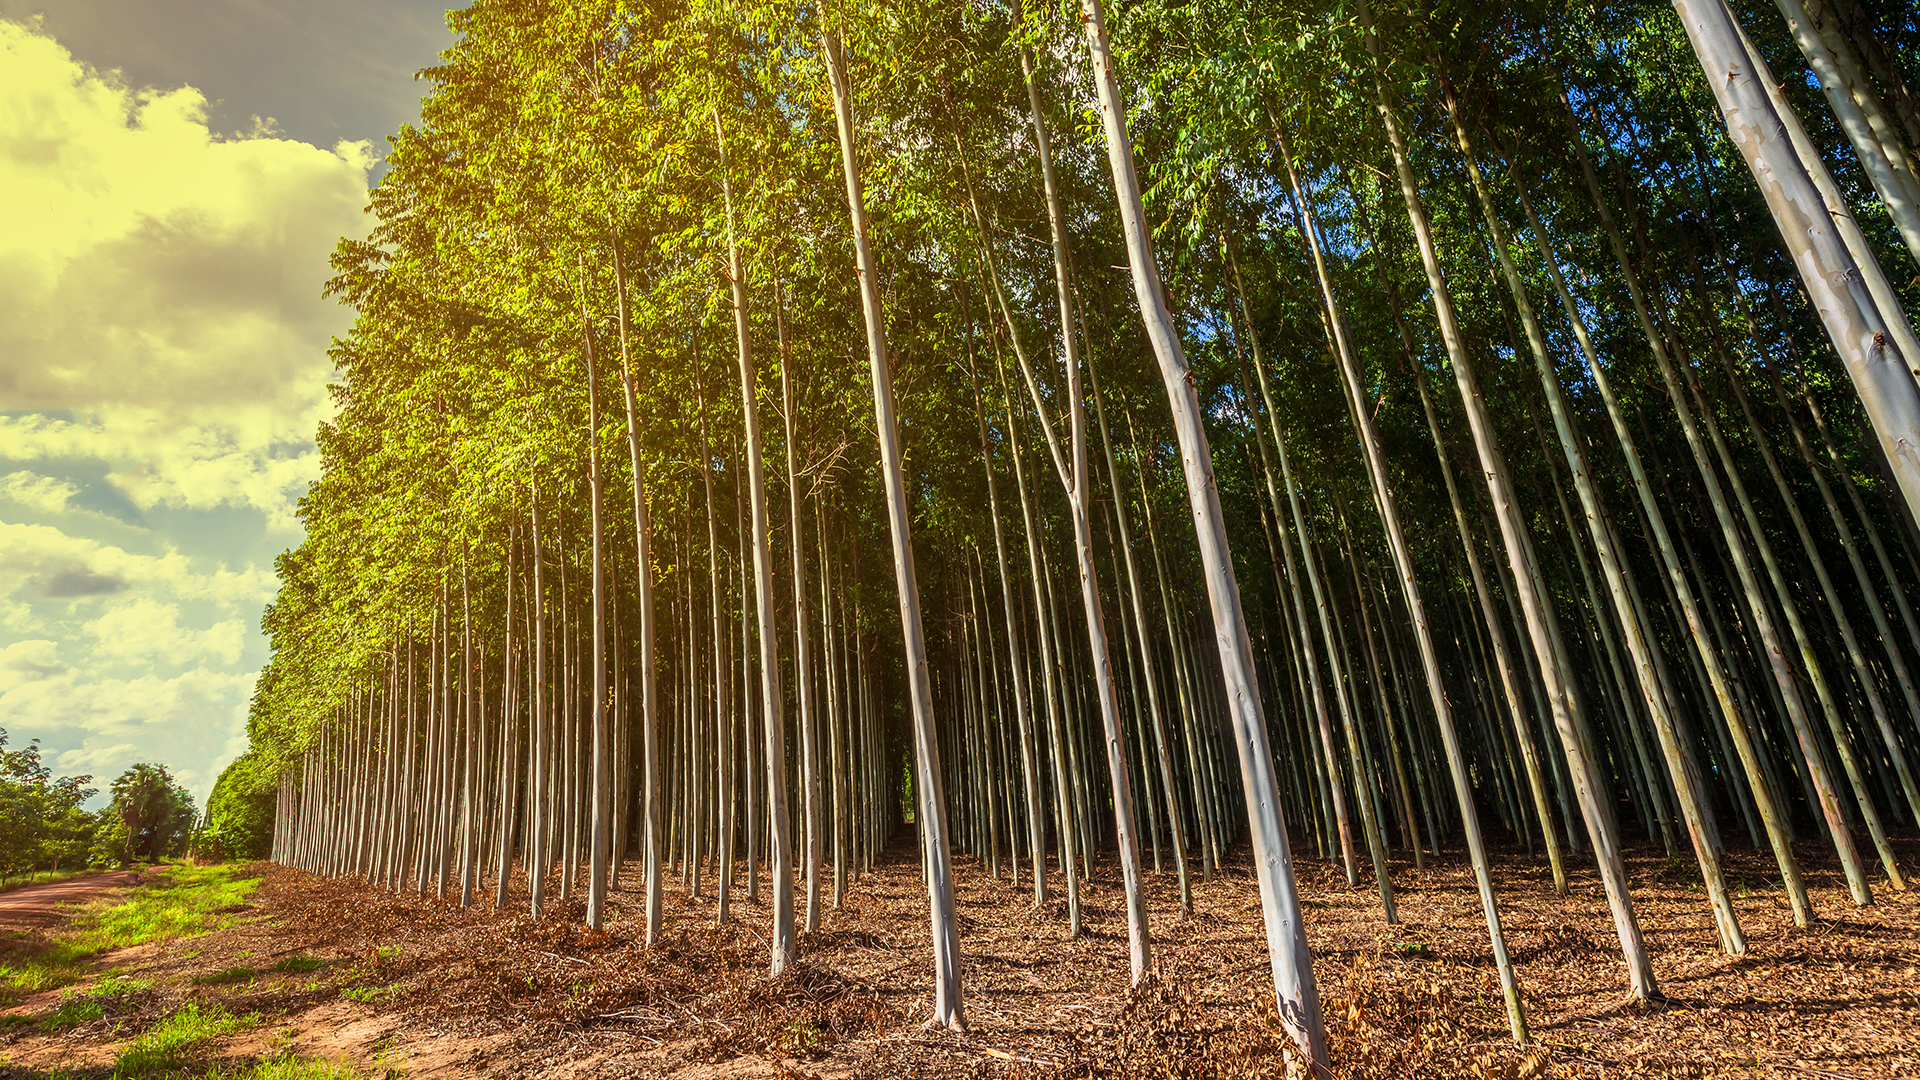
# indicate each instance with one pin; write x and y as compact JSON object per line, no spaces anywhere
{"x":1073,"y":475}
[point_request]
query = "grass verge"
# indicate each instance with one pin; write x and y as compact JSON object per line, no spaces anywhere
{"x":47,"y":877}
{"x":187,"y":902}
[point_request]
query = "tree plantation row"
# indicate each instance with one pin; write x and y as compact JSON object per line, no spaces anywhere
{"x":1117,"y":433}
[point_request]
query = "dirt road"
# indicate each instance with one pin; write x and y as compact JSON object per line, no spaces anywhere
{"x":35,"y":906}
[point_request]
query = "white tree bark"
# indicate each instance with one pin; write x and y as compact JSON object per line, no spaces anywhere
{"x":1830,"y":273}
{"x":928,"y":785}
{"x":1297,"y":997}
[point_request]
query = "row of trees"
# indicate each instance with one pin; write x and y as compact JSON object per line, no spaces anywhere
{"x":45,"y":825}
{"x":748,"y":442}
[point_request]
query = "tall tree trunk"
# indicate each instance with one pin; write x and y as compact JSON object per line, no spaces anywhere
{"x":1682,"y":771}
{"x":1778,"y":831}
{"x":1074,"y":475}
{"x":1858,"y":327}
{"x":931,"y":811}
{"x":601,"y":782}
{"x":1539,"y":617}
{"x":540,"y":794}
{"x":1362,"y":417}
{"x":1297,"y":998}
{"x":780,"y":836}
{"x":651,"y":800}
{"x":802,"y":655}
{"x":1023,"y":712}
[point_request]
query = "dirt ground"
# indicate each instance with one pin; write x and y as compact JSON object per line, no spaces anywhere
{"x":418,"y":987}
{"x":37,"y":906}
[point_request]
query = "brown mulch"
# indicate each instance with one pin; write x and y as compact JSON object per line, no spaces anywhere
{"x":421,"y":986}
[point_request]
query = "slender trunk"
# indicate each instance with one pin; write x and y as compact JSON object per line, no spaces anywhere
{"x":601,"y":762}
{"x":779,"y":834}
{"x":651,"y":797}
{"x":1567,"y":719}
{"x":1778,"y":831}
{"x":1071,"y":468}
{"x":931,"y":811}
{"x":1297,"y":998}
{"x":1362,"y":418}
{"x":802,"y":655}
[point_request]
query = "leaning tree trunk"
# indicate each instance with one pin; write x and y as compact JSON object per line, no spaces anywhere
{"x":1681,"y":768}
{"x":1023,"y":713}
{"x":1416,"y":605}
{"x":1832,"y":277}
{"x":1779,"y":835}
{"x":1567,"y":720}
{"x":1298,"y":999}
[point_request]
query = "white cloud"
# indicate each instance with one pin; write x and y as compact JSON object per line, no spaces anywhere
{"x":163,"y":285}
{"x":40,"y":562}
{"x":39,"y":493}
{"x":28,"y":661}
{"x":123,"y":656}
{"x":146,"y":630}
{"x":100,"y":725}
{"x":163,"y":347}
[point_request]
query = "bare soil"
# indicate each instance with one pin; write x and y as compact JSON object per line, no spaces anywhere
{"x":37,"y":906}
{"x":419,"y":987}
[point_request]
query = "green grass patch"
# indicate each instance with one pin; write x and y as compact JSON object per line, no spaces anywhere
{"x":367,"y":995}
{"x":298,"y":963}
{"x":115,"y":987}
{"x":47,"y":877}
{"x":104,"y":996}
{"x":279,"y":1068}
{"x":289,"y":1068}
{"x":185,"y":903}
{"x":173,"y":1043}
{"x":221,"y":978}
{"x":75,"y":1010}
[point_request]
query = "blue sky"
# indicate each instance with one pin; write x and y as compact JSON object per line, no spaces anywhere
{"x":176,"y":173}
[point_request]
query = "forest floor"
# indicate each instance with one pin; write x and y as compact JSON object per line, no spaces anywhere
{"x":344,"y":979}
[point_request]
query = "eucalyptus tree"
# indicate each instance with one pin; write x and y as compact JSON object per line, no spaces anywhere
{"x":1299,"y":1000}
{"x":471,"y":653}
{"x":947,"y":1008}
